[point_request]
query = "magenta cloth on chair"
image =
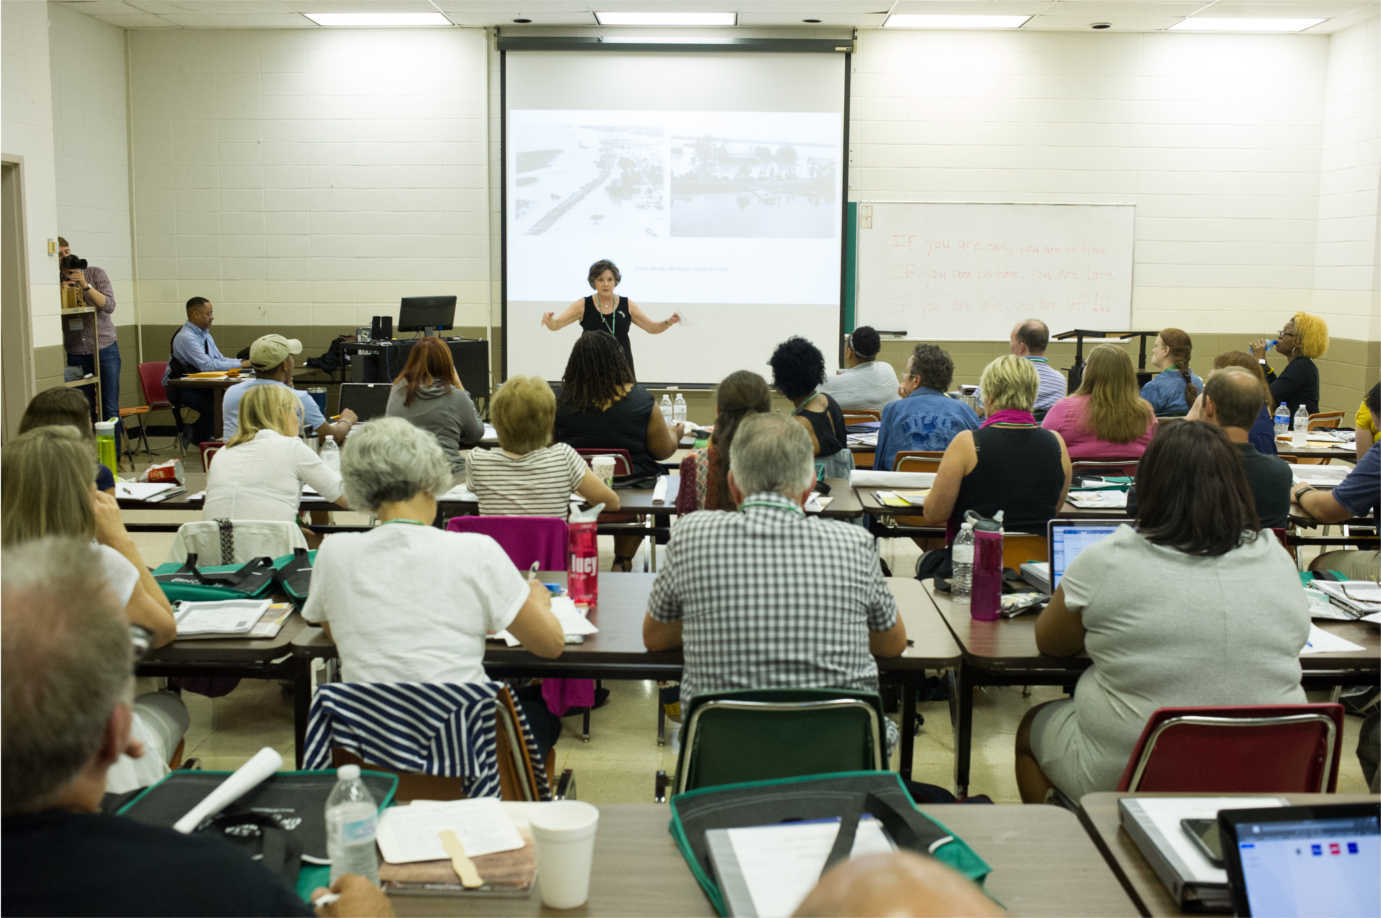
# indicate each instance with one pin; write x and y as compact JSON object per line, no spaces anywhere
{"x":524,"y":538}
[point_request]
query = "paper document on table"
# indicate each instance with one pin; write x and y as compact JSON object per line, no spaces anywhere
{"x":573,"y":622}
{"x":864,"y":439}
{"x":1321,"y":641}
{"x":868,"y":478}
{"x":659,"y":490}
{"x":1373,"y":619}
{"x":489,"y":433}
{"x":1363,"y":591}
{"x":408,"y":834}
{"x":902,"y":498}
{"x":1321,"y":476}
{"x":1352,"y":595}
{"x":145,"y":490}
{"x":227,"y":617}
{"x":780,"y":864}
{"x":817,"y":502}
{"x":1160,"y":818}
{"x":1098,"y":500}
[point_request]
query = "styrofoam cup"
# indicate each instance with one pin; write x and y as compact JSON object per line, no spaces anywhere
{"x":603,"y":467}
{"x":565,"y":835}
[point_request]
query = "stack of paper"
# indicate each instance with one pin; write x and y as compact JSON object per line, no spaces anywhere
{"x":573,"y":623}
{"x":1099,"y":500}
{"x":411,"y":833}
{"x":1355,"y":597}
{"x":151,"y":491}
{"x":1320,"y":476}
{"x":817,"y":502}
{"x":868,"y":478}
{"x":1321,"y":641}
{"x":902,"y":498}
{"x":226,"y":618}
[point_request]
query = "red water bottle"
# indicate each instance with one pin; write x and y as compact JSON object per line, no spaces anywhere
{"x":986,"y":599}
{"x":582,"y":571}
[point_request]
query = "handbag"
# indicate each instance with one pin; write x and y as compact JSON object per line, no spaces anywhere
{"x":185,"y":580}
{"x":844,"y":796}
{"x":294,"y":574}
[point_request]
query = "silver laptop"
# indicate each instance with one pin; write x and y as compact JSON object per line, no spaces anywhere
{"x":1067,"y":538}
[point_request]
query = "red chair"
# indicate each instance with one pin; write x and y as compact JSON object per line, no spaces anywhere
{"x":209,"y":448}
{"x":525,"y":539}
{"x":156,"y":396}
{"x":1253,"y":749}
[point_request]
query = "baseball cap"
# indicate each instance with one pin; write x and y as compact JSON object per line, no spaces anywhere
{"x":271,"y":350}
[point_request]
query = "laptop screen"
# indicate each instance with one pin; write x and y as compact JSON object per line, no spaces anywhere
{"x":1069,"y":537}
{"x":1317,"y":863}
{"x":367,"y":400}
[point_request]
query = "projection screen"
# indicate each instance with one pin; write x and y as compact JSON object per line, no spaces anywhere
{"x":715,"y":181}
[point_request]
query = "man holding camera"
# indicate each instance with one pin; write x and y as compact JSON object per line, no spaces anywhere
{"x":86,"y":285}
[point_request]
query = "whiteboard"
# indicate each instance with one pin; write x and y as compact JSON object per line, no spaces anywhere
{"x":969,"y":272}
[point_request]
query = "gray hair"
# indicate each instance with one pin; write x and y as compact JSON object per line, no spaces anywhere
{"x":388,"y":460}
{"x":771,"y":452}
{"x":68,"y":661}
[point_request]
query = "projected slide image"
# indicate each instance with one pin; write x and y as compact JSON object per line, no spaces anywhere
{"x":573,"y":177}
{"x":727,"y":186}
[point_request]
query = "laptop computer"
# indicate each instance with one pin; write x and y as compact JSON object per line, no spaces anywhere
{"x":1303,"y":860}
{"x":1066,"y":539}
{"x":367,"y":400}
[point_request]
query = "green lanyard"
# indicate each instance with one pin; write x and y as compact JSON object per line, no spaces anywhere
{"x":808,"y":399}
{"x":404,"y":520}
{"x":613,"y":316}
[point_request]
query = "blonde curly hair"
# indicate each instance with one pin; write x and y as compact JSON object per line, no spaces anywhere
{"x":1311,"y":333}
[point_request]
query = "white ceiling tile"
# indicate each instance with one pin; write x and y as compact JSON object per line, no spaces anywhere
{"x":238,"y":20}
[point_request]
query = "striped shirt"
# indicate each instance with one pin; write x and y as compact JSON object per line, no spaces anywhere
{"x":538,"y":483}
{"x":1053,"y":385}
{"x":771,"y":598}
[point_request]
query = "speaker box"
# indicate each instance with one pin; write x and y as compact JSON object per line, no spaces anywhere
{"x":382,"y":328}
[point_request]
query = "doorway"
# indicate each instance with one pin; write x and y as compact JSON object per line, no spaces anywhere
{"x":16,"y":343}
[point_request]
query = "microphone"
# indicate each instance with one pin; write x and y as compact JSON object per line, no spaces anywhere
{"x":248,"y":776}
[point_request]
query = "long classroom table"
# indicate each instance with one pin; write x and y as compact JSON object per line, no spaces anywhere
{"x":1042,"y":860}
{"x":1100,"y":816}
{"x":1003,"y":652}
{"x":617,"y":651}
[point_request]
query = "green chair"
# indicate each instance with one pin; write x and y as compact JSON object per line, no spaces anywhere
{"x":730,"y":737}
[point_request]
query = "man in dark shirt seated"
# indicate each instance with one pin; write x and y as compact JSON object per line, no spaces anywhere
{"x":1359,"y":495}
{"x":68,"y":662}
{"x":1232,"y":399}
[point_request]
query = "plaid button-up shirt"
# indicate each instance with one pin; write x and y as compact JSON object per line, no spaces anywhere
{"x":771,"y":598}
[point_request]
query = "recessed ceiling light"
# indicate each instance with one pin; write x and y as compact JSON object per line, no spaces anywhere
{"x":665,"y":19}
{"x":1217,"y":24}
{"x":366,"y":20}
{"x":955,"y":21}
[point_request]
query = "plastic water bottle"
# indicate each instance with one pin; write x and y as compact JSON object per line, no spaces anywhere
{"x":666,"y":409}
{"x":330,"y":454}
{"x":352,"y":820}
{"x":1282,"y":419}
{"x":961,"y":558}
{"x":1300,"y":433}
{"x":105,"y":445}
{"x":678,"y":412}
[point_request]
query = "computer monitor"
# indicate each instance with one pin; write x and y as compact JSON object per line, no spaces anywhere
{"x":1303,"y":860}
{"x":367,"y":400}
{"x":426,"y":313}
{"x":1069,"y":537}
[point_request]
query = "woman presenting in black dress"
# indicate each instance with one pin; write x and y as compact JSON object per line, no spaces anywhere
{"x":607,"y":312}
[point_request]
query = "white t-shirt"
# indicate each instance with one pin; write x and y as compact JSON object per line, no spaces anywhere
{"x":120,"y":575}
{"x":538,"y":483}
{"x":262,"y":479}
{"x":868,"y":385}
{"x":412,"y":603}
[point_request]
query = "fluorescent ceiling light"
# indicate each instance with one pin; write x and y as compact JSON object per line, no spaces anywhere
{"x":665,"y":19}
{"x":1215,"y":24}
{"x":956,"y":21}
{"x":346,"y":20}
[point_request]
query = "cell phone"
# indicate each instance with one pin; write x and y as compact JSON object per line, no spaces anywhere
{"x":1204,"y":834}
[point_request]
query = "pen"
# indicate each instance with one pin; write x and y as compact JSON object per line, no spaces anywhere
{"x":328,"y":899}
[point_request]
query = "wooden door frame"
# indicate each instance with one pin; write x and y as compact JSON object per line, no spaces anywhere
{"x":18,"y":335}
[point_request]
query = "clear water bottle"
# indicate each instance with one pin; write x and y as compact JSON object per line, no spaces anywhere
{"x":1300,"y":433}
{"x":352,"y":820}
{"x":330,"y":454}
{"x":961,"y":557}
{"x":678,"y":412}
{"x":666,"y":409}
{"x":1282,"y":419}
